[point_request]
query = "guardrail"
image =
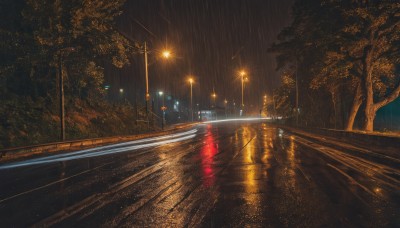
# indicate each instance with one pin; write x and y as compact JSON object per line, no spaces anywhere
{"x":26,"y":151}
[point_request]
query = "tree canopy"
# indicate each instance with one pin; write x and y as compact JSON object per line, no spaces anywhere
{"x":354,"y":50}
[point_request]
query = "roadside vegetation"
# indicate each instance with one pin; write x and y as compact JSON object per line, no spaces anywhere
{"x":39,"y":40}
{"x":343,"y":57}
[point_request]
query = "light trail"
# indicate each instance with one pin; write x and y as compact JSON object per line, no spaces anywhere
{"x":106,"y":150}
{"x":239,"y":119}
{"x":138,"y":141}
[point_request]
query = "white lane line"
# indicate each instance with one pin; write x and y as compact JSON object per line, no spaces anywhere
{"x":52,"y":183}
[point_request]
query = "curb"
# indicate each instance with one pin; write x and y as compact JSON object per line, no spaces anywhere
{"x":388,"y":145}
{"x":27,"y":151}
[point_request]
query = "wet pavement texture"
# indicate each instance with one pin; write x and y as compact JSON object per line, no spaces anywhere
{"x":226,"y":175}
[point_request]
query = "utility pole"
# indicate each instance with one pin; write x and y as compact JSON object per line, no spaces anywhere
{"x":242,"y":91}
{"x":191,"y":98}
{"x":61,"y":90}
{"x":61,"y":85}
{"x":147,"y":80}
{"x":297,"y":97}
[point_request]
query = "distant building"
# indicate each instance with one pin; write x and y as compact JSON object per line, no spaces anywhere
{"x":206,"y":115}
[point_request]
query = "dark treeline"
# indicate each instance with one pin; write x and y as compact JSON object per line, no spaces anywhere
{"x":345,"y":56}
{"x":41,"y":39}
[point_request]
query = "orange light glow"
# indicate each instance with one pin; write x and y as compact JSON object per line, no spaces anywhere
{"x":166,"y":54}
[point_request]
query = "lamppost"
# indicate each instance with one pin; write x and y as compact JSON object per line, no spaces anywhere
{"x":226,"y":105}
{"x":166,"y":54}
{"x":234,"y":108}
{"x":147,"y":79}
{"x":121,"y":93}
{"x":243,"y":79}
{"x":242,"y":74}
{"x":160,"y":93}
{"x":61,"y":85}
{"x":191,"y":97}
{"x":214,"y":96}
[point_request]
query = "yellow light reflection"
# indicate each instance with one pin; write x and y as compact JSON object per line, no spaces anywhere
{"x":251,"y":171}
{"x":292,"y":162}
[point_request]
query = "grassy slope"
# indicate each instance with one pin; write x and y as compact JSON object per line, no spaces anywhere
{"x":23,"y":122}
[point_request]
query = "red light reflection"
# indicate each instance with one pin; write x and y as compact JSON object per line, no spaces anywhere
{"x":207,"y":154}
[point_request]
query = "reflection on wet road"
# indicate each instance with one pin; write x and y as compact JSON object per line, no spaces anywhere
{"x":224,"y":175}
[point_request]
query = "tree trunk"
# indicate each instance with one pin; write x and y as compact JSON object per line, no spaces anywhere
{"x":369,"y":104}
{"x":357,"y":101}
{"x":369,"y":120}
{"x":369,"y":113}
{"x":334,"y":109}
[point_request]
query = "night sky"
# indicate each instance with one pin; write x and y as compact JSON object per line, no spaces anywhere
{"x":210,"y":39}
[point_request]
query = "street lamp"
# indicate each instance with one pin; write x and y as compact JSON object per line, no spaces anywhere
{"x":242,"y":74}
{"x":214,"y":96}
{"x":226,"y":104}
{"x":160,"y":93}
{"x":165,"y":54}
{"x":162,"y":109}
{"x":147,"y":79}
{"x":191,"y":97}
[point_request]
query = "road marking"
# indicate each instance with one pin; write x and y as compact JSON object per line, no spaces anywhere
{"x":52,"y":183}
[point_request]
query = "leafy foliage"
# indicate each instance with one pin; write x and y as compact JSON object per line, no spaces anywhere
{"x":40,"y":37}
{"x":338,"y":46}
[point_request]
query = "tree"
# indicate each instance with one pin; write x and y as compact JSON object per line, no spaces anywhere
{"x":79,"y":34}
{"x":302,"y":45}
{"x":39,"y":39}
{"x":355,"y":47}
{"x":372,"y":36}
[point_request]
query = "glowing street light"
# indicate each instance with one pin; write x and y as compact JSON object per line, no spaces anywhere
{"x":162,"y":108}
{"x":191,"y":96}
{"x":226,"y":104}
{"x":166,"y":54}
{"x":242,"y":74}
{"x":214,"y":96}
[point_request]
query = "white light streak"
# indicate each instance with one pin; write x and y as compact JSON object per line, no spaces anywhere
{"x":106,"y":150}
{"x":239,"y":119}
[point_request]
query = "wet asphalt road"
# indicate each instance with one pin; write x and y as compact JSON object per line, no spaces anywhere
{"x":224,"y":175}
